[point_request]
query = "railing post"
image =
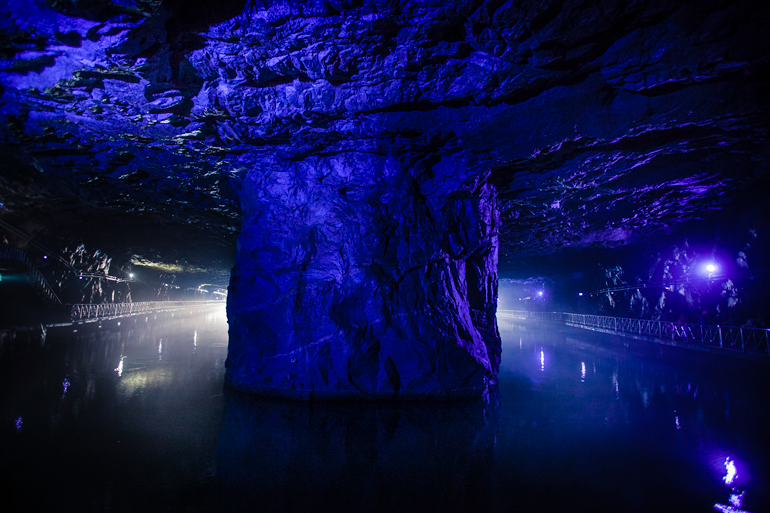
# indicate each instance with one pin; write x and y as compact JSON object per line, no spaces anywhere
{"x":721,"y":344}
{"x":743,"y":343}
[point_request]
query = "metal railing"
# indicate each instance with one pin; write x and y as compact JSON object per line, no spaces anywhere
{"x":730,"y":338}
{"x":106,"y":311}
{"x":33,"y":275}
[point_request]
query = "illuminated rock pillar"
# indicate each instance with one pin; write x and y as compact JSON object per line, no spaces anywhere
{"x":362,"y":276}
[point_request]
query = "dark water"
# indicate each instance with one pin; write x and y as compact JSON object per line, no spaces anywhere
{"x":581,"y":422}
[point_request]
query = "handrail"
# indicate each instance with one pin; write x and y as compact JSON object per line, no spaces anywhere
{"x":731,"y":338}
{"x":36,"y":278}
{"x":96,"y":312}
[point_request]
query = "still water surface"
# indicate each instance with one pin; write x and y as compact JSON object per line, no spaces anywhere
{"x":134,"y":418}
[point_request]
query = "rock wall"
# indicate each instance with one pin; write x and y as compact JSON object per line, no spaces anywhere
{"x":362,"y":275}
{"x":602,"y":125}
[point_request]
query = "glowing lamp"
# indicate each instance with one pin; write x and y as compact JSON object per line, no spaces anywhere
{"x":540,"y":293}
{"x":130,"y":275}
{"x":580,"y":293}
{"x":711,"y":268}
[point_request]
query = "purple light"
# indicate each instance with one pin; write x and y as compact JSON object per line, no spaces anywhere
{"x":732,"y":472}
{"x":711,"y":268}
{"x":18,"y":423}
{"x":540,"y":293}
{"x":45,"y":257}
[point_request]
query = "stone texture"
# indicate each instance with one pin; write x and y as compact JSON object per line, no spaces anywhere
{"x":600,"y":125}
{"x":365,"y":276}
{"x":603,"y":124}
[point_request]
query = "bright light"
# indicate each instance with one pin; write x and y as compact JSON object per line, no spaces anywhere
{"x":540,"y":293}
{"x":130,"y":275}
{"x":732,"y":472}
{"x":119,"y":369}
{"x":711,"y":268}
{"x":580,"y":293}
{"x":45,"y":257}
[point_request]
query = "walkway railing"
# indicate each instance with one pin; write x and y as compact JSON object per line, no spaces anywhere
{"x":106,"y":311}
{"x":33,"y":275}
{"x":731,"y":338}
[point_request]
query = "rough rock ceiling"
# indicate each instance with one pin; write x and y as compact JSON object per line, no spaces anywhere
{"x":601,"y":123}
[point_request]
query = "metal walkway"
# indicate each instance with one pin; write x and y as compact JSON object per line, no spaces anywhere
{"x":80,"y":313}
{"x":33,"y":275}
{"x":726,"y":339}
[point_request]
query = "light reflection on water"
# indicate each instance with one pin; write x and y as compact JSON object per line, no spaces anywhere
{"x":144,"y":409}
{"x":615,"y":428}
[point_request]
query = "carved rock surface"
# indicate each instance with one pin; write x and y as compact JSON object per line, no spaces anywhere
{"x":603,"y":124}
{"x":600,"y":125}
{"x":364,"y":276}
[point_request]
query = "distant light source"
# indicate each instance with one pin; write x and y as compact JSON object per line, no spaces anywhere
{"x":540,"y":293}
{"x":580,"y":293}
{"x":45,"y":257}
{"x":711,"y":268}
{"x":130,"y":275}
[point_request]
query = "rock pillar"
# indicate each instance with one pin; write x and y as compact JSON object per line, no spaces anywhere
{"x":364,"y":276}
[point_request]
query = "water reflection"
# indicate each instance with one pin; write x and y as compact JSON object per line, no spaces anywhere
{"x":110,"y":425}
{"x":119,"y":368}
{"x":107,"y":426}
{"x":637,"y":434}
{"x":295,"y":456}
{"x":736,"y":495}
{"x":65,"y":385}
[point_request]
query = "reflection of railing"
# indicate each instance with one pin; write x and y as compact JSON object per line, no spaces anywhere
{"x":33,"y":275}
{"x":90,"y":312}
{"x":732,"y":338}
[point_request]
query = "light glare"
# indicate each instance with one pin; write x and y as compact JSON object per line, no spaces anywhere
{"x":732,"y":472}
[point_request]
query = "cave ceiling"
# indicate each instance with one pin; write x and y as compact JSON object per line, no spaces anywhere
{"x":602,"y":123}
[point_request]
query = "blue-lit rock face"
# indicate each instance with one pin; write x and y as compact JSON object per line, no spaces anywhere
{"x":365,"y":276}
{"x":356,"y":145}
